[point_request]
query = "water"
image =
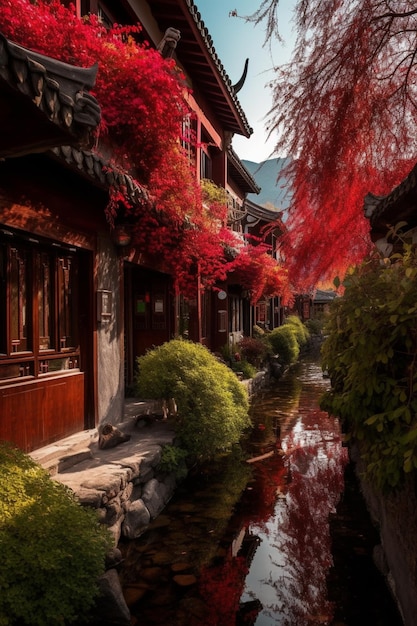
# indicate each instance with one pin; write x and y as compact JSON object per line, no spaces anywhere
{"x":261,"y":543}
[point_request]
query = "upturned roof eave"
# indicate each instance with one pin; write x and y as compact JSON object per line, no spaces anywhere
{"x":399,"y":205}
{"x":196,"y":52}
{"x":262,"y":213}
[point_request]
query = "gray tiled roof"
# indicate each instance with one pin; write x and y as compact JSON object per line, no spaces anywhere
{"x":57,"y":90}
{"x":239,"y":172}
{"x":397,"y":206}
{"x":262,"y":213}
{"x":99,"y":170}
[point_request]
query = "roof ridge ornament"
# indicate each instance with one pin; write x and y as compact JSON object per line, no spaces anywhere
{"x":236,"y":88}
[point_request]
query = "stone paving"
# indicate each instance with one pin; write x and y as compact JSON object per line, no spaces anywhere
{"x":103,"y":467}
{"x":83,"y":446}
{"x":123,"y":483}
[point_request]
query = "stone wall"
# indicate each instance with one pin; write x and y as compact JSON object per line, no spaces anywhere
{"x":110,"y":366}
{"x":395,"y":516}
{"x":125,"y":487}
{"x":136,"y":496}
{"x":128,"y":493}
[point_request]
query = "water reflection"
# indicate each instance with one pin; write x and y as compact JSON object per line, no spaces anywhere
{"x":251,"y":544}
{"x":288,"y":572}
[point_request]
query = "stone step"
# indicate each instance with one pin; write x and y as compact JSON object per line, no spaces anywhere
{"x":67,"y":452}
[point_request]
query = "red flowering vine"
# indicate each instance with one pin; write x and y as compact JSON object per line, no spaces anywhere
{"x":141,"y":96}
{"x":257,"y":271}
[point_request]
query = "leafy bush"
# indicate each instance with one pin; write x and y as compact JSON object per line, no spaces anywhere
{"x":371,"y":357}
{"x":212,"y":404}
{"x":244,"y":367}
{"x":227,"y":354}
{"x":284,"y":343}
{"x":52,"y":549}
{"x":315,"y":325}
{"x":173,"y":460}
{"x":258,"y":332}
{"x":253,"y":350}
{"x":301,"y":331}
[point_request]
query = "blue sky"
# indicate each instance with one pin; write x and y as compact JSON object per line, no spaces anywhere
{"x":235,"y":40}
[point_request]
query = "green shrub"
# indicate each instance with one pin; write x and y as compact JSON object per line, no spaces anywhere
{"x":258,"y":332}
{"x":173,"y":460}
{"x":227,"y":353}
{"x":315,"y":325}
{"x":52,"y":549}
{"x":212,"y":404}
{"x":301,"y":331}
{"x":284,"y":343}
{"x":371,"y":357}
{"x":246,"y":369}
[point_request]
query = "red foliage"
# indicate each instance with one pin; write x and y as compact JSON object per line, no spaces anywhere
{"x":345,"y":106}
{"x":142,"y":101}
{"x":140,"y":93}
{"x":256,"y":270}
{"x":222,"y":587}
{"x":271,"y":478}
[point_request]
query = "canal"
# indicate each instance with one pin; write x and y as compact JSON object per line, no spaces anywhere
{"x":275,"y":536}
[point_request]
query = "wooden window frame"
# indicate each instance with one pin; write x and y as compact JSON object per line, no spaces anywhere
{"x":38,"y":357}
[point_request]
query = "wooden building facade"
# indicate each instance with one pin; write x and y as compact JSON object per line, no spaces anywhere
{"x":47,"y":250}
{"x":78,"y":304}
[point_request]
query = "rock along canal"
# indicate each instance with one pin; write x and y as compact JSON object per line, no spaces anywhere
{"x":281,"y":541}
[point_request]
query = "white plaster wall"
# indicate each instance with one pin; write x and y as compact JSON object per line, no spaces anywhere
{"x":110,"y":367}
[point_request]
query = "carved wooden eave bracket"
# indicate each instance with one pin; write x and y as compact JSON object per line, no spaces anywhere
{"x":43,"y":102}
{"x":196,"y":53}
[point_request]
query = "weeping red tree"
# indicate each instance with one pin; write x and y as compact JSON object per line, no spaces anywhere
{"x":344,"y":108}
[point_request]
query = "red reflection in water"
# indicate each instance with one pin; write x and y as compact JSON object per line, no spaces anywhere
{"x":289,"y":571}
{"x":261,"y":500}
{"x":221,"y":586}
{"x":279,"y":575}
{"x":267,"y":566}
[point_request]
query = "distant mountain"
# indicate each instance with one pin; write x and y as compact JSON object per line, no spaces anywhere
{"x":275,"y":187}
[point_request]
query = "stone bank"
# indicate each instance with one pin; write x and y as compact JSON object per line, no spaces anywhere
{"x":395,"y":517}
{"x":121,"y":483}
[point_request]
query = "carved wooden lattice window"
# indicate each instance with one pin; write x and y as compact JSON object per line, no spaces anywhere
{"x":235,"y":313}
{"x":18,"y":300}
{"x":3,"y":299}
{"x":38,"y":309}
{"x":45,"y":303}
{"x":65,"y":325}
